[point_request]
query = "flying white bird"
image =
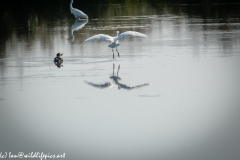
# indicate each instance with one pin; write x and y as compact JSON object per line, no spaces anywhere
{"x":114,"y":40}
{"x":77,"y":13}
{"x":79,"y":24}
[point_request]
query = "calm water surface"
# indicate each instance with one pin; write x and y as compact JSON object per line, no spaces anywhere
{"x":187,"y":107}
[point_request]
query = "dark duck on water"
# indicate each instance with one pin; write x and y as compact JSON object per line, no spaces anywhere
{"x":58,"y":60}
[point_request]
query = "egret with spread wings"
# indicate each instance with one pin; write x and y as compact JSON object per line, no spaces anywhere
{"x":114,"y":40}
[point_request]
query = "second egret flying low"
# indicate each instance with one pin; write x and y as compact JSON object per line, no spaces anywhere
{"x":114,"y":40}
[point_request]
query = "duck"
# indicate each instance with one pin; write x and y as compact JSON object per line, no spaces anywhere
{"x":58,"y":60}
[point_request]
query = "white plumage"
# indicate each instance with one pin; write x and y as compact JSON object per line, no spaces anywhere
{"x":100,"y":37}
{"x":130,"y":34}
{"x":114,"y":40}
{"x":77,"y":13}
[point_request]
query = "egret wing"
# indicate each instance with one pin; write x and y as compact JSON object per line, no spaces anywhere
{"x":100,"y":37}
{"x":140,"y":86}
{"x":101,"y":86}
{"x":131,"y":34}
{"x":131,"y":88}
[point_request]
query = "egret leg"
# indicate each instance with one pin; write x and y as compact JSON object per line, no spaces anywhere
{"x":117,"y":52}
{"x":118,"y":69}
{"x":113,"y":53}
{"x":113,"y":68}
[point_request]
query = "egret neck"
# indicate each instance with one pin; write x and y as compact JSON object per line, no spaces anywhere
{"x":71,"y":7}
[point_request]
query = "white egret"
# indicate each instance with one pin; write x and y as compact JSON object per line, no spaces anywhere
{"x":77,"y":13}
{"x":79,"y":24}
{"x":114,"y":40}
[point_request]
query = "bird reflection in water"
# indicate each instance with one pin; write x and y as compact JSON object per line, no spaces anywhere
{"x":58,"y":60}
{"x":115,"y":81}
{"x":79,"y":24}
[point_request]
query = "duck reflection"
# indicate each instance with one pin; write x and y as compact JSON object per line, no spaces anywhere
{"x":115,"y":81}
{"x":58,"y":60}
{"x":79,"y":24}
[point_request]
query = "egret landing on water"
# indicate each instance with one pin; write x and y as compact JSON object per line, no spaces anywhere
{"x":77,"y":13}
{"x":114,"y":40}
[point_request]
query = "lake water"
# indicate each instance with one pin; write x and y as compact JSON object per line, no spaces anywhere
{"x":188,"y":107}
